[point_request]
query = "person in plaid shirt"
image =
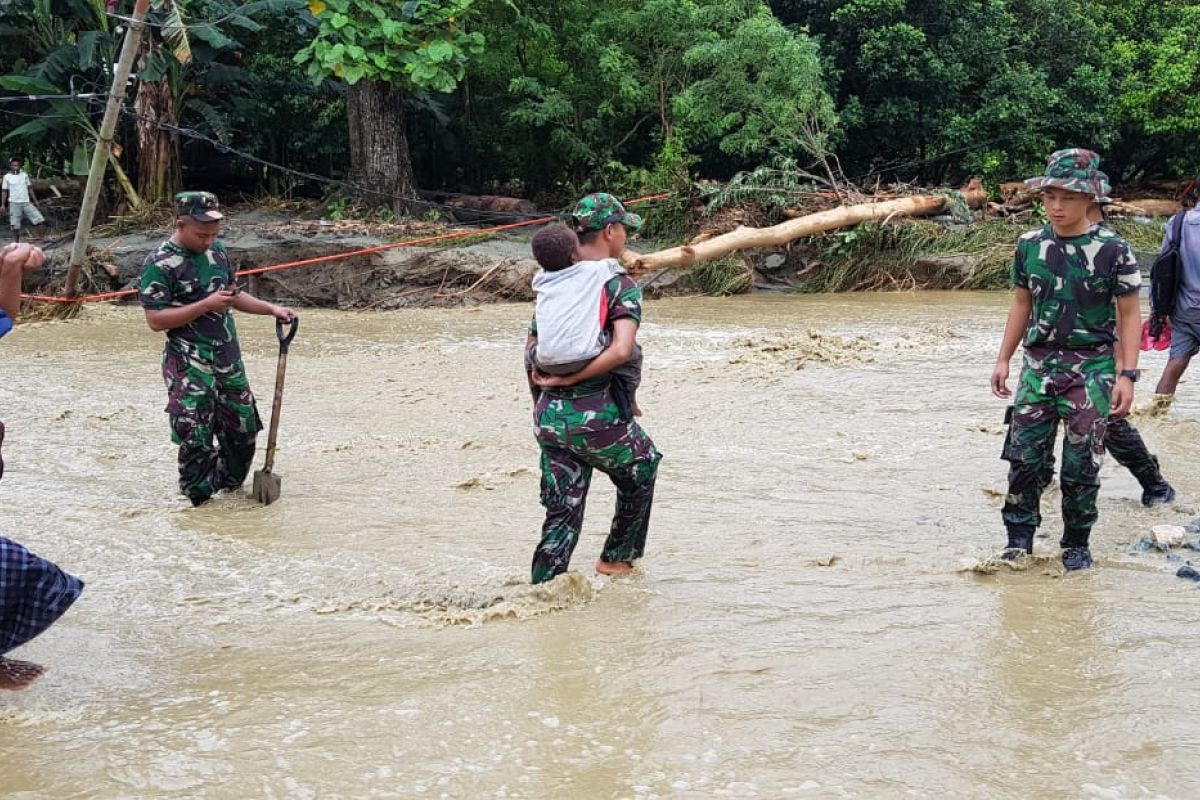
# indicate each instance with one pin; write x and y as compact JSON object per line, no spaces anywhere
{"x":33,"y":592}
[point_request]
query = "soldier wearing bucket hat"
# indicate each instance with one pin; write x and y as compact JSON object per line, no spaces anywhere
{"x":189,"y":290}
{"x":1076,"y":287}
{"x":579,"y":423}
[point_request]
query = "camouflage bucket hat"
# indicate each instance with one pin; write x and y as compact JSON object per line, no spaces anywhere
{"x":200,"y":206}
{"x":1105,"y":187}
{"x":1073,"y":169}
{"x":595,"y":211}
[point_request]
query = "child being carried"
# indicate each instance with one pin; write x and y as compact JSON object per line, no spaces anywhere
{"x":571,"y":314}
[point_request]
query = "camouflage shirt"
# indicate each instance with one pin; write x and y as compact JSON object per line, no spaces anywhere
{"x":624,"y":299}
{"x":1074,"y":282}
{"x":174,"y":277}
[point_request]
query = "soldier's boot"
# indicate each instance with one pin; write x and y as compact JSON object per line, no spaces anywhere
{"x":1075,"y":552}
{"x":1155,"y":489}
{"x":1020,"y":542}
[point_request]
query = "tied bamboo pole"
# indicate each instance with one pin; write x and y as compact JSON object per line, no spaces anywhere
{"x":112,"y":111}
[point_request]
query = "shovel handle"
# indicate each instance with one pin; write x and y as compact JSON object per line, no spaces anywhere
{"x":285,"y":340}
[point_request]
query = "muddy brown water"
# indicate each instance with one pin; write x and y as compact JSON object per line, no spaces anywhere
{"x":802,"y":627}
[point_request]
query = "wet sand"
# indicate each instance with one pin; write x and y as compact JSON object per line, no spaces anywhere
{"x":802,"y":627}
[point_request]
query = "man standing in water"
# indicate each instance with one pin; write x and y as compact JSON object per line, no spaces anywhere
{"x":33,"y":592}
{"x":189,"y":290}
{"x":579,"y":423}
{"x":1075,"y":286}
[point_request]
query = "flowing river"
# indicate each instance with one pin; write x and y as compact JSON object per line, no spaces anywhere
{"x":807,"y":622}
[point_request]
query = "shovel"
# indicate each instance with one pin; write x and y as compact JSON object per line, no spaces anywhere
{"x":267,"y":483}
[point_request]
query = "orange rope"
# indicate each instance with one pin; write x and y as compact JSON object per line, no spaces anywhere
{"x":445,"y":237}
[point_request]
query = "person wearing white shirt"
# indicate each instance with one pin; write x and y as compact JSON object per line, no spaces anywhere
{"x":16,"y":195}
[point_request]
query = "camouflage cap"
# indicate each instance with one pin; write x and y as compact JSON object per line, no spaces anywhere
{"x":200,"y":206}
{"x":1105,"y":187}
{"x":1073,"y":169}
{"x":595,"y":211}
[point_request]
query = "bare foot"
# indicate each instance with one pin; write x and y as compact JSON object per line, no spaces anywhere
{"x":17,"y":675}
{"x":637,"y":410}
{"x":614,"y":567}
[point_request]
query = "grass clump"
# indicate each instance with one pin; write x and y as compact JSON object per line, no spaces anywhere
{"x":724,"y":276}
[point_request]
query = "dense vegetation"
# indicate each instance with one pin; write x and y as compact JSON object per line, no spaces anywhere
{"x":546,"y":98}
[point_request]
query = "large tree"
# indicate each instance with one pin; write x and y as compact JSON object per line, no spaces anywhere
{"x":386,"y":51}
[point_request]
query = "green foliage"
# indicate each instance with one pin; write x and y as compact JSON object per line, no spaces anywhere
{"x":414,"y":44}
{"x":755,"y":106}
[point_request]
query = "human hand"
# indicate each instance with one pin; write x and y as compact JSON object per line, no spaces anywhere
{"x":1000,"y":380}
{"x":551,"y":381}
{"x":220,"y":302}
{"x":1122,"y":397}
{"x":25,"y":257}
{"x":283,"y":313}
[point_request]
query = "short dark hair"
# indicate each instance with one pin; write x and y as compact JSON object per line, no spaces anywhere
{"x":554,"y":247}
{"x":589,"y":236}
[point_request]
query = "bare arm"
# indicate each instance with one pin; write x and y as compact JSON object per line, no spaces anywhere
{"x":164,"y":319}
{"x":15,"y":261}
{"x":1129,"y":335}
{"x":613,"y":356}
{"x":249,"y":304}
{"x":1014,"y":331}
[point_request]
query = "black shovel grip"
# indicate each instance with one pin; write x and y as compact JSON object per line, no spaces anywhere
{"x":285,"y":340}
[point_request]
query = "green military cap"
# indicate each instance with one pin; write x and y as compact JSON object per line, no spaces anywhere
{"x":200,"y":206}
{"x":595,"y":211}
{"x":1074,"y":169}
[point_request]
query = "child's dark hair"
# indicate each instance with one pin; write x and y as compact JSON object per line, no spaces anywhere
{"x":554,"y":247}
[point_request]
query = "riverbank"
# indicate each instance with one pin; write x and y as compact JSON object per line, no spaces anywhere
{"x":901,"y":255}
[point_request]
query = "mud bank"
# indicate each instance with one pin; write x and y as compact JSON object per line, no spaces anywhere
{"x":476,"y":271}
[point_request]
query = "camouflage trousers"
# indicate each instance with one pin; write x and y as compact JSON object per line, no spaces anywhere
{"x":1123,"y":442}
{"x":576,"y":436}
{"x":1070,"y":385}
{"x":207,"y":401}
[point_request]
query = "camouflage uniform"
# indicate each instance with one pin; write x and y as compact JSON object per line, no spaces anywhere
{"x":580,"y":429}
{"x":208,"y":394}
{"x":1069,"y":363}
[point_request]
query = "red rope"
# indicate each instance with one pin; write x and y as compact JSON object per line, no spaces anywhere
{"x":306,"y":262}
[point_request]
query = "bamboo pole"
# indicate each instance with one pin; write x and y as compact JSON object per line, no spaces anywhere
{"x":112,"y":111}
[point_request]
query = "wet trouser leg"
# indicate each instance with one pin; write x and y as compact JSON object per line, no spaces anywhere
{"x":237,"y":427}
{"x":1129,"y":449}
{"x":1029,"y":450}
{"x":578,"y":435}
{"x":1083,"y":452}
{"x":565,"y":482}
{"x":33,"y":594}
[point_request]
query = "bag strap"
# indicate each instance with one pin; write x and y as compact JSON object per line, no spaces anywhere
{"x":1177,"y":230}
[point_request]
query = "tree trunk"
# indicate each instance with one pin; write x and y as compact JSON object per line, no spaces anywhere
{"x":379,"y":157}
{"x":159,"y":172}
{"x":752,"y":238}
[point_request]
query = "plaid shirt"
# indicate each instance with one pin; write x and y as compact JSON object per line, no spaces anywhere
{"x":33,"y":594}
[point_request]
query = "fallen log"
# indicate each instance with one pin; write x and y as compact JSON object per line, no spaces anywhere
{"x":1145,"y":207}
{"x":743,"y":238}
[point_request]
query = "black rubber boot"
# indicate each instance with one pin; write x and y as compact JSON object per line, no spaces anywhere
{"x":1020,"y":542}
{"x":1074,"y":558}
{"x":1075,"y":552}
{"x":1157,"y":493}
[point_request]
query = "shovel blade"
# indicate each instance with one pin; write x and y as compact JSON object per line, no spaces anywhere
{"x":267,"y":486}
